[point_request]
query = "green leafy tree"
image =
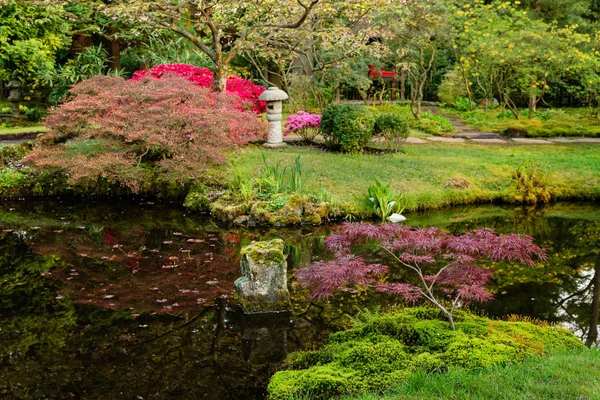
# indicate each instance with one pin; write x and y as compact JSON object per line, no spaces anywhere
{"x":414,"y":31}
{"x":502,"y":51}
{"x":30,"y":38}
{"x":222,"y":29}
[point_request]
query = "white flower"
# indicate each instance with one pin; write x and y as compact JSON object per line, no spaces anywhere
{"x":396,"y":218}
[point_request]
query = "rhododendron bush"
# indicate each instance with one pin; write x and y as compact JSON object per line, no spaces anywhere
{"x":243,"y":88}
{"x":445,"y":267}
{"x":129,"y":132}
{"x":306,"y":125}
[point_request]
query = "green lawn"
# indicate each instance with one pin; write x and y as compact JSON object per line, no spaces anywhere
{"x":436,"y":175}
{"x":22,"y":129}
{"x":564,"y":376}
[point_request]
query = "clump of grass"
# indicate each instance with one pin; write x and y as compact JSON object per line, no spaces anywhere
{"x":556,"y":376}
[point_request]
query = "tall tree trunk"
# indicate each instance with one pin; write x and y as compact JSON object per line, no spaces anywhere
{"x":592,"y":336}
{"x":115,"y":55}
{"x":220,"y":77}
{"x":532,"y":104}
{"x":402,"y":85}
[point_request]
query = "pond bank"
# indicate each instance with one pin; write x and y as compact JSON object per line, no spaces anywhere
{"x":430,"y":177}
{"x":334,"y":186}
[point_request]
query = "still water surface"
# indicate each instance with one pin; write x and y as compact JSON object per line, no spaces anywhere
{"x":134,"y":301}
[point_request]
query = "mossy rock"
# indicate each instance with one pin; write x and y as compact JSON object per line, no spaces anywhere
{"x":378,"y":353}
{"x":265,"y":252}
{"x":263,"y":285}
{"x":225,"y":210}
{"x":196,"y":199}
{"x":298,"y":209}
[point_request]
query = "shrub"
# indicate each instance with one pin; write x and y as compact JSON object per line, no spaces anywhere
{"x":10,"y":181}
{"x":385,"y":350}
{"x":12,"y":154}
{"x":451,"y":88}
{"x":393,"y":128}
{"x":348,"y":127}
{"x":131,"y":132}
{"x":35,"y":114}
{"x":433,"y":124}
{"x":306,"y":125}
{"x":462,"y":104}
{"x":529,"y":185}
{"x":243,"y":88}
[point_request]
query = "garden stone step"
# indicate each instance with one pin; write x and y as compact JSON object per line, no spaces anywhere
{"x":531,"y":141}
{"x":414,"y":140}
{"x":446,"y":139}
{"x":489,"y":141}
{"x":476,"y":135}
{"x":576,"y":140}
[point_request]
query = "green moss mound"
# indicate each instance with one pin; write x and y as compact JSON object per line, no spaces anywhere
{"x":385,"y":350}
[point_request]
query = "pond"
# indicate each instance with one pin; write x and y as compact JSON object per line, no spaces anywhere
{"x":134,"y":301}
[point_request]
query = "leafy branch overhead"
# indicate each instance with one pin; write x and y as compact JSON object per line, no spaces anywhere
{"x":446,"y":269}
{"x":221,"y":29}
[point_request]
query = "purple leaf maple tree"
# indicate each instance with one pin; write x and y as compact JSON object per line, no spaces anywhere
{"x":447,"y":268}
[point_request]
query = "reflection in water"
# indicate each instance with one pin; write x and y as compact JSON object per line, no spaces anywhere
{"x":264,"y":336}
{"x":133,"y":301}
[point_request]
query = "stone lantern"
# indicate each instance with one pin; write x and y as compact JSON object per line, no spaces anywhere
{"x":274,"y":96}
{"x":15,"y":95}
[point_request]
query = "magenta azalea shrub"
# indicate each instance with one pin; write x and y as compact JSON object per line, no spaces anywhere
{"x":243,"y":88}
{"x":306,"y":125}
{"x":446,"y":268}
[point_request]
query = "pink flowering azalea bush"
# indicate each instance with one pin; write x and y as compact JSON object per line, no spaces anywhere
{"x":445,"y":267}
{"x":306,"y":125}
{"x":243,"y":88}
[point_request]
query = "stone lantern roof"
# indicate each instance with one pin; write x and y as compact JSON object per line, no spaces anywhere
{"x":273,"y":94}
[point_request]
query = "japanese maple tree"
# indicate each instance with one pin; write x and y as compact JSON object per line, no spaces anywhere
{"x":132,"y":133}
{"x":457,"y":277}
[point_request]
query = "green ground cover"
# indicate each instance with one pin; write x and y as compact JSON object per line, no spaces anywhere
{"x":22,"y":129}
{"x":438,"y":175}
{"x":386,"y":350}
{"x":557,"y":376}
{"x":552,"y":122}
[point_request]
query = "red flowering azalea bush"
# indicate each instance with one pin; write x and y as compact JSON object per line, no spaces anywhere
{"x":243,"y":88}
{"x":306,"y":125}
{"x":132,"y":132}
{"x":445,"y":267}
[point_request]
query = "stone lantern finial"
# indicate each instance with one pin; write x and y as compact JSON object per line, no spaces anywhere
{"x":274,"y":96}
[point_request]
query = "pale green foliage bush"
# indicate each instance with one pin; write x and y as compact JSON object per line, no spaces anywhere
{"x":393,"y":128}
{"x":451,"y":88}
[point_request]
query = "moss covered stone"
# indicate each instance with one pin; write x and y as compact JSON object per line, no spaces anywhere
{"x":263,"y":285}
{"x":226,"y":209}
{"x":196,"y":199}
{"x":298,"y":209}
{"x":386,"y":349}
